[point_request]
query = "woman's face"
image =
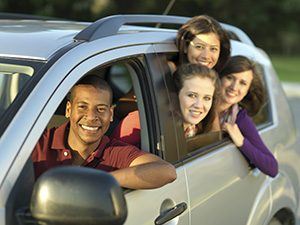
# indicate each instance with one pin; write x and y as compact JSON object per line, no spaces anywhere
{"x":204,"y":49}
{"x":234,"y":87}
{"x":195,"y":99}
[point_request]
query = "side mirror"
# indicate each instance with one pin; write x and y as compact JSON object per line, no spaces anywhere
{"x":78,"y":195}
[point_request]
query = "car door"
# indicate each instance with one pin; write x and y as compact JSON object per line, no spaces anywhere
{"x":143,"y":206}
{"x":168,"y":204}
{"x":222,"y":187}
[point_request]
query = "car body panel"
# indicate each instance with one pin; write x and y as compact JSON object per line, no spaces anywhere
{"x":283,"y":195}
{"x":50,"y":36}
{"x":230,"y":187}
{"x":150,"y":203}
{"x":2,"y":216}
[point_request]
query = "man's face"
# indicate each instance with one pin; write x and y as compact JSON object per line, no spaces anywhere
{"x":90,"y":113}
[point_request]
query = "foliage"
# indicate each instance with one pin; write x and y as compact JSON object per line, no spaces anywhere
{"x":287,"y":68}
{"x":273,"y":25}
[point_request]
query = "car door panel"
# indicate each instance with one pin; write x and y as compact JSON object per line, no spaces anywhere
{"x":144,"y":206}
{"x":221,"y":183}
{"x":46,"y":97}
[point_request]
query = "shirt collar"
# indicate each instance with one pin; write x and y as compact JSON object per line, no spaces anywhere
{"x":60,"y":138}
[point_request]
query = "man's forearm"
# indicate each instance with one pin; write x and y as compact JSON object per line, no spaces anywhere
{"x":146,"y":176}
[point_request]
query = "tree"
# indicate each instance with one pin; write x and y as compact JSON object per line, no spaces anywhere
{"x":272,"y":25}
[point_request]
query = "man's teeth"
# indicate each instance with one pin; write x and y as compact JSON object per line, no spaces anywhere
{"x":89,"y":128}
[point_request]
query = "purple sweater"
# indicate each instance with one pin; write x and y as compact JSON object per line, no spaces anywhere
{"x":254,"y":148}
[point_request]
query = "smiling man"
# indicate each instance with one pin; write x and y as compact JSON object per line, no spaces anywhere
{"x":82,"y":141}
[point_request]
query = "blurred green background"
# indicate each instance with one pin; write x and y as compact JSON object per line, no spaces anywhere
{"x":287,"y":67}
{"x":273,"y":25}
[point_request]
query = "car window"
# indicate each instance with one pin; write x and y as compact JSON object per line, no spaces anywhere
{"x":126,"y":80}
{"x":123,"y":77}
{"x":119,"y":78}
{"x":207,"y":141}
{"x":12,"y":78}
{"x":198,"y":141}
{"x":17,"y":78}
{"x":264,"y":116}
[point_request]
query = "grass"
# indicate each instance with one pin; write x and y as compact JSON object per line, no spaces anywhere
{"x":287,"y":67}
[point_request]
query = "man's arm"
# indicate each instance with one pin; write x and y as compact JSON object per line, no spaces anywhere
{"x":145,"y":172}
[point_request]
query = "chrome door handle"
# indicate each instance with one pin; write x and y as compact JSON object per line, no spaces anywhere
{"x":171,"y":213}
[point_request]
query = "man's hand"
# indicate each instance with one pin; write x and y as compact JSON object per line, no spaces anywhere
{"x":146,"y":172}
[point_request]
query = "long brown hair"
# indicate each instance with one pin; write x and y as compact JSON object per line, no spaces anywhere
{"x":256,"y":95}
{"x":203,"y":25}
{"x":188,"y":71}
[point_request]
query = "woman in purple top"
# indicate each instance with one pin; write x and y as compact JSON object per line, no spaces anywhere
{"x":242,"y":94}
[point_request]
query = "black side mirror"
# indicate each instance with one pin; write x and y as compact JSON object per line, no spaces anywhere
{"x":78,"y":195}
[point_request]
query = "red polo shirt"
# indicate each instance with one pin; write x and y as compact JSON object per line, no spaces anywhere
{"x":51,"y":151}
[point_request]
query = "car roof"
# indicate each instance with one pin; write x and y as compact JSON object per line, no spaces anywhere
{"x":36,"y":39}
{"x":40,"y":39}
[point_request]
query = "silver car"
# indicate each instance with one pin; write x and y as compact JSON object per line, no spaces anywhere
{"x":41,"y":60}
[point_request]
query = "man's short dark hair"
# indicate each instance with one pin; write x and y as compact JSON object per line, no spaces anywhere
{"x":95,"y":81}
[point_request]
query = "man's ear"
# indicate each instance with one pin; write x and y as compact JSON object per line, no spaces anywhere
{"x":68,"y":109}
{"x":112,"y":108}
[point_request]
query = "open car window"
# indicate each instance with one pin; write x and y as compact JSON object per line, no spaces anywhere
{"x":123,"y":78}
{"x":202,"y":143}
